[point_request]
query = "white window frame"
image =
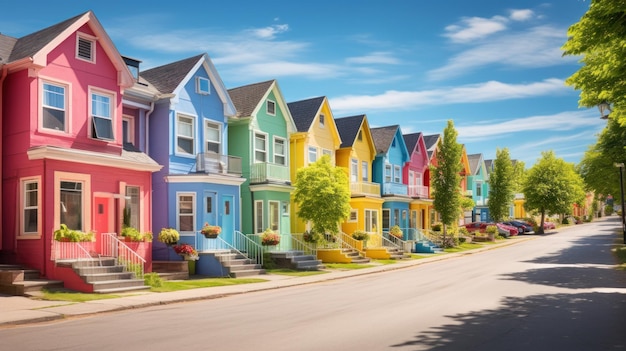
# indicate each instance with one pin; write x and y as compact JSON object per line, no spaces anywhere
{"x":412,"y":178}
{"x":322,"y":121}
{"x":135,"y":220}
{"x":192,"y":214}
{"x":111,"y":96}
{"x":92,"y":47}
{"x":66,"y":106}
{"x":364,"y":171}
{"x":353,"y":216}
{"x":312,"y":154}
{"x":86,"y":194}
{"x":479,"y":189}
{"x":24,"y":182}
{"x":371,"y":220}
{"x":129,"y":134}
{"x":354,"y":170}
{"x":274,"y":215}
{"x":212,"y":125}
{"x":388,"y":173}
{"x":397,"y":174}
{"x":200,"y":86}
{"x":286,"y":208}
{"x":284,"y":154}
{"x":268,"y":110}
{"x":192,"y":138}
{"x":259,"y":226}
{"x":264,"y":151}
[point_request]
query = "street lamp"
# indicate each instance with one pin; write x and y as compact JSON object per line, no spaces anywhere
{"x":621,"y":184}
{"x":604,"y":107}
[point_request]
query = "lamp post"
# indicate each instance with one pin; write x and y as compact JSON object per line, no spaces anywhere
{"x":621,"y":184}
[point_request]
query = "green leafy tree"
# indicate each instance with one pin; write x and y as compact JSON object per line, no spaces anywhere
{"x":501,"y":185}
{"x":600,"y":38}
{"x":552,"y":186}
{"x":519,"y":174}
{"x":323,"y":195}
{"x":446,"y":178}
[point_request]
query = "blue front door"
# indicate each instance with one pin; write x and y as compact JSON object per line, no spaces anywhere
{"x":227,"y":218}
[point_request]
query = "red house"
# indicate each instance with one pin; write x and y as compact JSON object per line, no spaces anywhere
{"x":64,"y":159}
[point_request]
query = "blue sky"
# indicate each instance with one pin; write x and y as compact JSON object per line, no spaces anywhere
{"x":493,"y":67}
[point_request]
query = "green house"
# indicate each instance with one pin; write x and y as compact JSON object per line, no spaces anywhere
{"x":259,"y":134}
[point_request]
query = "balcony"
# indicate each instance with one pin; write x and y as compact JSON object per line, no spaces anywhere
{"x":394,"y":189}
{"x":269,"y":172}
{"x":364,"y":188}
{"x":420,"y":191}
{"x":209,"y":162}
{"x":469,"y":193}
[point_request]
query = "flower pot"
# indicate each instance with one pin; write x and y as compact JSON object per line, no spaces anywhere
{"x":192,"y":267}
{"x":210,"y":235}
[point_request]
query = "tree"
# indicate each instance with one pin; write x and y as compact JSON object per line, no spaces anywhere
{"x":600,"y":37}
{"x":552,"y":186}
{"x":501,"y":185}
{"x":323,"y":195}
{"x":446,"y":178}
{"x":519,"y":174}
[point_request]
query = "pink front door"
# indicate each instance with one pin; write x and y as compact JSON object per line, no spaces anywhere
{"x":101,"y":218}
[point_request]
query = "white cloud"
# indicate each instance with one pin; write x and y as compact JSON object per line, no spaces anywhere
{"x":269,"y":32}
{"x":474,"y":93}
{"x":374,"y":58}
{"x":473,"y":28}
{"x":521,"y":15}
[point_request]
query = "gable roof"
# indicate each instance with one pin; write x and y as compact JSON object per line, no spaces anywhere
{"x":33,"y":49}
{"x":474,"y":162}
{"x":304,"y":112}
{"x":348,"y":128}
{"x":411,"y":140}
{"x":431,"y":143}
{"x":489,"y":166}
{"x":383,"y":136}
{"x":246,"y":98}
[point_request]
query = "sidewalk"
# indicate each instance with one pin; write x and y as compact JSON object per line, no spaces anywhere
{"x":16,"y":310}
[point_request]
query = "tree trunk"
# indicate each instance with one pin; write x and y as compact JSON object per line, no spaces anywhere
{"x":543,"y":215}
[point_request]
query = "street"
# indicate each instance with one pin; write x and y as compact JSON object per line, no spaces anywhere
{"x":559,"y":291}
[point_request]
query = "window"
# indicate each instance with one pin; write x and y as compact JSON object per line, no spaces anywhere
{"x":479,"y":188}
{"x":271,"y":107}
{"x":354,"y":216}
{"x":274,"y":215}
{"x":371,"y":221}
{"x":360,"y":136}
{"x":186,"y":213}
{"x":203,"y":86}
{"x":280,"y":156}
{"x":132,"y":207}
{"x":213,"y":137}
{"x":185,"y":135}
{"x":101,"y":116}
{"x":386,"y":221}
{"x":312,"y":154}
{"x":209,"y":204}
{"x":71,"y":204}
{"x":85,"y":48}
{"x":412,"y":178}
{"x":285,"y":208}
{"x":396,"y":216}
{"x":260,"y":148}
{"x":397,"y":174}
{"x":30,"y":206}
{"x":418,"y":179}
{"x":387,"y":173}
{"x":322,"y":121}
{"x":364,"y":171}
{"x":354,"y":170}
{"x":326,"y":152}
{"x":128,"y":130}
{"x":54,"y":101}
{"x":258,"y":217}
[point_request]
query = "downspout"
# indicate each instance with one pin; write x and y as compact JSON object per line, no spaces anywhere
{"x":148,"y":113}
{"x":3,"y":75}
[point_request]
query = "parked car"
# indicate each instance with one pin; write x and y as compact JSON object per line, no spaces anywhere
{"x":506,"y":230}
{"x":548,"y":225}
{"x":522,"y":227}
{"x":477,"y":226}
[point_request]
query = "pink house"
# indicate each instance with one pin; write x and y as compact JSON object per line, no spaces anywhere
{"x":416,"y":175}
{"x":66,"y":156}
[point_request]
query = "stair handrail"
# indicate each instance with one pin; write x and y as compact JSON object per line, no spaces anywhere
{"x":61,"y":250}
{"x":348,"y":242}
{"x":124,"y":255}
{"x":241,"y":244}
{"x":392,"y":241}
{"x":299,"y":244}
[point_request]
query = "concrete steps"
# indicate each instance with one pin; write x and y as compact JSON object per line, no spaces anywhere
{"x":296,"y":260}
{"x":18,"y":280}
{"x":106,"y":276}
{"x":238,"y":265}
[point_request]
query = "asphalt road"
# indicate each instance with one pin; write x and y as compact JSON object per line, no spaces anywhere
{"x":557,"y":292}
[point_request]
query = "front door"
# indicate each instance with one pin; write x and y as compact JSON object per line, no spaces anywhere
{"x":102,"y":221}
{"x":228,"y":222}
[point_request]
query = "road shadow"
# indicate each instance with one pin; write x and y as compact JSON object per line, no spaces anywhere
{"x":591,"y":321}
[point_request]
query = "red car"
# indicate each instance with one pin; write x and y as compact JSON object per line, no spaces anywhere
{"x":507,"y":230}
{"x":477,"y":226}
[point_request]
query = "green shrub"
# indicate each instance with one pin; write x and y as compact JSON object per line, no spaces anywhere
{"x":153,"y":280}
{"x":463,"y":231}
{"x":436,"y":227}
{"x":491,"y":229}
{"x":360,"y":235}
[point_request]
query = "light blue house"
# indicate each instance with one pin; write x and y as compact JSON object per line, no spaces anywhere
{"x":387,"y":170}
{"x":188,"y":134}
{"x":477,"y":184}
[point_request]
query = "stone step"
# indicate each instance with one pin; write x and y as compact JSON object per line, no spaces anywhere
{"x":120,"y":285}
{"x":247,"y":273}
{"x":122,"y":289}
{"x":243,"y":267}
{"x":100,"y":277}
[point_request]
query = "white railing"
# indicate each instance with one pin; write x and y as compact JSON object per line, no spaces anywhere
{"x":365,"y":188}
{"x":62,"y":250}
{"x":241,"y":244}
{"x":348,"y":242}
{"x":299,"y":244}
{"x":124,"y":255}
{"x":418,"y":191}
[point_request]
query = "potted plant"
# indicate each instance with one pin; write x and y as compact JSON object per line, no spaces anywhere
{"x":310,"y":236}
{"x":168,"y":236}
{"x":491,"y":231}
{"x":396,"y":232}
{"x":66,"y":234}
{"x":210,"y":231}
{"x":361,"y":235}
{"x":131,"y":234}
{"x":189,"y":254}
{"x":269,"y":238}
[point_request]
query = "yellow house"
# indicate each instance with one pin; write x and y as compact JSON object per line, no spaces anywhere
{"x":356,"y":154}
{"x":316,"y":135}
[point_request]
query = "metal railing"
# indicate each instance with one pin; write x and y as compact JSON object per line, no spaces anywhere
{"x":420,"y":191}
{"x":390,"y":188}
{"x":241,"y":244}
{"x":298,"y":244}
{"x":265,"y":171}
{"x":124,"y":255}
{"x":82,"y":250}
{"x":210,"y":162}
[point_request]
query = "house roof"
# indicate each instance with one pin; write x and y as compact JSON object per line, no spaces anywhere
{"x":246,"y":98}
{"x":489,"y":165}
{"x":411,"y":140}
{"x":168,"y":77}
{"x":348,"y":128}
{"x":474,"y":162}
{"x":304,"y":112}
{"x":431,"y":141}
{"x":383,"y":136}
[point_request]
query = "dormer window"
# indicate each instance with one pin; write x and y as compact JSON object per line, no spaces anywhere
{"x":203,"y":86}
{"x":271,"y":107}
{"x":133,"y":66}
{"x":85,"y":48}
{"x":322,"y":121}
{"x":360,"y":136}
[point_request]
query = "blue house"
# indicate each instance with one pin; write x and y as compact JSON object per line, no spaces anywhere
{"x":188,"y":134}
{"x":479,"y":187}
{"x":387,"y":170}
